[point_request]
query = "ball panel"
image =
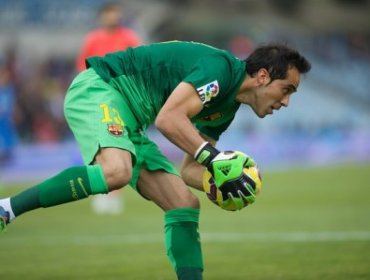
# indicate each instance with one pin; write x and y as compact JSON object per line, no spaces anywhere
{"x":250,"y":178}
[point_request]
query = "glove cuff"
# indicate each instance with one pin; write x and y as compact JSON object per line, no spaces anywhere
{"x":205,"y":154}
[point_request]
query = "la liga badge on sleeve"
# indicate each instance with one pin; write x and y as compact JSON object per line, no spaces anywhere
{"x":208,"y":91}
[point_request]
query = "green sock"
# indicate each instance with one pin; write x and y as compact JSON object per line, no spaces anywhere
{"x":72,"y":184}
{"x":189,"y":273}
{"x":183,"y":243}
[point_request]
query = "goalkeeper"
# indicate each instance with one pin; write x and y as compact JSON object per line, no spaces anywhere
{"x":191,"y":92}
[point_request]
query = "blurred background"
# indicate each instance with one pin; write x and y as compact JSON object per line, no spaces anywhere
{"x":328,"y":121}
{"x":310,"y":220}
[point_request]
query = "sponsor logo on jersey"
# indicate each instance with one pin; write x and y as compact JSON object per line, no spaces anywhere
{"x":115,"y":129}
{"x":208,"y":91}
{"x":213,"y":117}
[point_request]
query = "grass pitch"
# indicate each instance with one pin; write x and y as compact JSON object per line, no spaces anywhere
{"x":306,"y":224}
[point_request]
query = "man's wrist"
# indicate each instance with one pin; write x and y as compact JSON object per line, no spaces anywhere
{"x":205,"y":153}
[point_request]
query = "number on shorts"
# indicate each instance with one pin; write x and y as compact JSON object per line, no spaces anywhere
{"x":110,"y":115}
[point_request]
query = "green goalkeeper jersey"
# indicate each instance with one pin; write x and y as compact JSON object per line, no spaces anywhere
{"x":147,"y":75}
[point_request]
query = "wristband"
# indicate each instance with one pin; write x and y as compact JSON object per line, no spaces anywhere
{"x":206,"y":153}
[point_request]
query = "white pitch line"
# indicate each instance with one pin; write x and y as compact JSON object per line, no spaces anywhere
{"x":329,"y":236}
{"x":289,"y":236}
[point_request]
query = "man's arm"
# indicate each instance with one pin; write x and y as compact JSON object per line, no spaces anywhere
{"x":173,"y":120}
{"x":192,"y":171}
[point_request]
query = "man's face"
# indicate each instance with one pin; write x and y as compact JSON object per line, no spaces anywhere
{"x":273,"y":95}
{"x":111,"y":19}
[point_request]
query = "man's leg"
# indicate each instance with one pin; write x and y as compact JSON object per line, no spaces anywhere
{"x":92,"y":107}
{"x":181,"y":221}
{"x":111,"y":171}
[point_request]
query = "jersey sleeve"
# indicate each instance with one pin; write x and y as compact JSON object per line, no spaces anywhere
{"x":211,"y":77}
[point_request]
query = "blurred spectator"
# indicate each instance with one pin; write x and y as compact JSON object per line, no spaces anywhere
{"x":7,"y":101}
{"x":359,"y":45}
{"x":241,"y":46}
{"x":109,"y":37}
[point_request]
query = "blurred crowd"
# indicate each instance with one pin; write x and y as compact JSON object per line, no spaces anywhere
{"x":31,"y":100}
{"x":32,"y":92}
{"x":38,"y":92}
{"x":344,"y":55}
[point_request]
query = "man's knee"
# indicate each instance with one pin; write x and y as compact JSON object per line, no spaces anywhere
{"x":117,"y":176}
{"x":117,"y":167}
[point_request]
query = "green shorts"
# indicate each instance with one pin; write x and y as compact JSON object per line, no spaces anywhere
{"x":99,"y":117}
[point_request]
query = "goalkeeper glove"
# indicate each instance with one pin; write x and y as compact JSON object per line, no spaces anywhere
{"x":227,"y":170}
{"x":223,"y":166}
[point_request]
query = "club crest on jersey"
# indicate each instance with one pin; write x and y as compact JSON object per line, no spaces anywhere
{"x":212,"y":117}
{"x":115,"y":129}
{"x":208,"y":91}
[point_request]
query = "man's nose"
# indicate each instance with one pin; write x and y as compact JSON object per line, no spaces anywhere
{"x":285,"y":101}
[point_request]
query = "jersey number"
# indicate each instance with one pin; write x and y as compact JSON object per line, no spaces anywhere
{"x":111,"y":115}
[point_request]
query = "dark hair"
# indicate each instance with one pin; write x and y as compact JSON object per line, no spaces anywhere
{"x":276,"y":59}
{"x":109,"y":6}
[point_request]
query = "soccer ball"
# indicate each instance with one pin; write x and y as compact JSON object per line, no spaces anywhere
{"x":250,"y":178}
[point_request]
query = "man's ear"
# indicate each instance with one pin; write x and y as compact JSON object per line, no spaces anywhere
{"x":263,"y":77}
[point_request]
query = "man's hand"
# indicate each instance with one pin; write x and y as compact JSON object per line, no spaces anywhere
{"x":224,"y":166}
{"x":227,"y":169}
